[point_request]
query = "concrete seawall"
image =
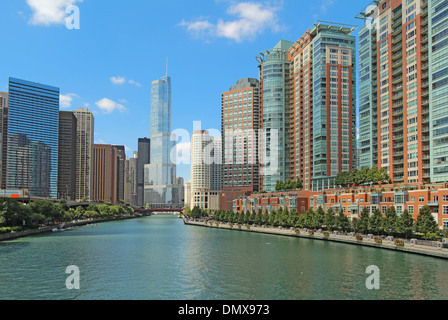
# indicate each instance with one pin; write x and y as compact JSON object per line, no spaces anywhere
{"x":43,"y":230}
{"x":389,"y":245}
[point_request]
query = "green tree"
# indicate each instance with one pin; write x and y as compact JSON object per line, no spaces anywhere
{"x":279,"y":186}
{"x":299,"y":184}
{"x":363,"y":226}
{"x":330,"y":219}
{"x":376,"y":222}
{"x":390,"y":222}
{"x":319,"y":217}
{"x":426,"y":223}
{"x":406,"y":224}
{"x":342,"y":222}
{"x":309,"y":219}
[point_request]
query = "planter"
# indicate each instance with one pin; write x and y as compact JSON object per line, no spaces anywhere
{"x":326,"y":234}
{"x":248,"y":227}
{"x":399,"y":243}
{"x":359,"y":237}
{"x":231,"y":225}
{"x":378,"y":240}
{"x":311,"y":233}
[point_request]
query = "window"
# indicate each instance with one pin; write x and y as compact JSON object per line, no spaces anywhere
{"x":421,"y":199}
{"x":411,"y":210}
{"x":445,"y":210}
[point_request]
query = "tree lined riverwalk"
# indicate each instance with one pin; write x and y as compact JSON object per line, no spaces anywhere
{"x":434,"y":249}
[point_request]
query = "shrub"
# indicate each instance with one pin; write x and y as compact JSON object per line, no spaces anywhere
{"x":399,"y":243}
{"x":311,"y":232}
{"x":359,"y":237}
{"x":326,"y":234}
{"x":378,"y":240}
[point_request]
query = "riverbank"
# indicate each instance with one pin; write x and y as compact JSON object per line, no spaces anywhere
{"x":48,"y":229}
{"x":369,"y":241}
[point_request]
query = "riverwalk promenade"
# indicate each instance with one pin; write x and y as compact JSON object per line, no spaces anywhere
{"x":436,"y":249}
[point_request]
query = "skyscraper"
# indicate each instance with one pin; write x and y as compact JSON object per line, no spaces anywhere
{"x":3,"y":137}
{"x":109,"y":173}
{"x":322,"y":117}
{"x":240,"y":117}
{"x":84,"y":154}
{"x":144,"y":158}
{"x":275,"y":75}
{"x":32,"y":150}
{"x":130,"y":196}
{"x":67,"y":155}
{"x":403,"y":89}
{"x":206,"y":170}
{"x":161,"y":189}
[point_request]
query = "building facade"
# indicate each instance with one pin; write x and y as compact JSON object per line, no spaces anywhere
{"x":130,"y":186}
{"x":109,"y":173}
{"x":206,"y":169}
{"x":274,"y":67}
{"x":403,"y":89}
{"x":32,"y":145}
{"x":84,"y":154}
{"x":144,"y":158}
{"x":240,"y":122}
{"x":67,"y":155}
{"x":351,"y":202}
{"x":3,"y":137}
{"x":323,"y":105}
{"x":161,"y":188}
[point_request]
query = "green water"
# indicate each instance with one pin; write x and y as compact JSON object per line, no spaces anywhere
{"x":158,"y":258}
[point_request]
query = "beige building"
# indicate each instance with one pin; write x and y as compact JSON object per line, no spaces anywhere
{"x":84,"y":153}
{"x":206,"y":170}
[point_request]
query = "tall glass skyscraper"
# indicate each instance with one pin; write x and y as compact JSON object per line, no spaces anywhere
{"x":161,"y":188}
{"x":33,"y":125}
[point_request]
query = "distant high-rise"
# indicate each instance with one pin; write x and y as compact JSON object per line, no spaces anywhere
{"x":121,"y":159}
{"x":144,"y":158}
{"x":206,"y":170}
{"x":67,"y":155}
{"x":130,"y":196}
{"x":108,"y":168}
{"x":84,"y":153}
{"x":240,"y":117}
{"x":32,"y":150}
{"x":3,"y":137}
{"x":161,"y":188}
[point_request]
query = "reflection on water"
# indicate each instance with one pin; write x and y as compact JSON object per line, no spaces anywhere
{"x":159,"y":258}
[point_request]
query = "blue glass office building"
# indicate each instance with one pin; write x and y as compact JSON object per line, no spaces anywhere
{"x":33,"y":123}
{"x":161,"y":189}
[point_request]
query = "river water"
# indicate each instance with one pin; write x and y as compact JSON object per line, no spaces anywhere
{"x":159,"y":258}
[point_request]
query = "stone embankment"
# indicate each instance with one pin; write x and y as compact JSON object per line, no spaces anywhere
{"x":436,"y":249}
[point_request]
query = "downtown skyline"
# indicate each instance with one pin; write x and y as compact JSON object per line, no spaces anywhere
{"x":107,"y":65}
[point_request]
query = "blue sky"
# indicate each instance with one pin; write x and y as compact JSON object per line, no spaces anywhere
{"x":108,"y":64}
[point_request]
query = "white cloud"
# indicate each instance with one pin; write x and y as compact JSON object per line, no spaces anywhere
{"x":108,"y":106}
{"x":252,"y":19}
{"x":117,"y":80}
{"x":122,"y":80}
{"x":65,"y":101}
{"x":48,"y":12}
{"x":138,"y":85}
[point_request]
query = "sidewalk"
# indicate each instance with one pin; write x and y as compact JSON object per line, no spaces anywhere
{"x":389,"y":245}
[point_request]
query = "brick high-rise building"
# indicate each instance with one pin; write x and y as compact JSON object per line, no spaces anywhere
{"x":321,"y":131}
{"x":403,"y":89}
{"x":3,"y":137}
{"x":240,"y":118}
{"x":308,"y":107}
{"x":108,"y":169}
